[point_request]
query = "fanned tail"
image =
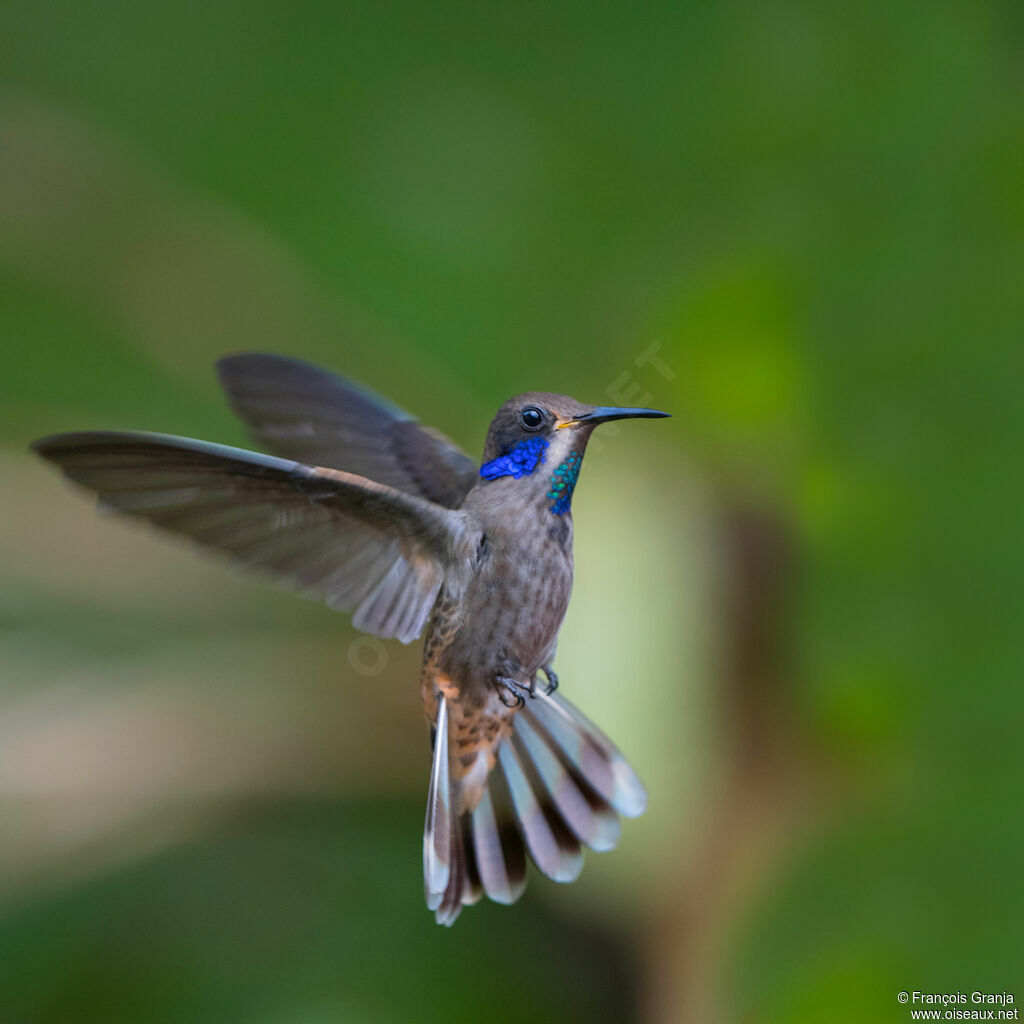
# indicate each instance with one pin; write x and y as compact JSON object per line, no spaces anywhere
{"x":558,"y":785}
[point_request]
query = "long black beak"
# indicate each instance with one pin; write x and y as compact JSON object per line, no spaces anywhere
{"x":604,"y":413}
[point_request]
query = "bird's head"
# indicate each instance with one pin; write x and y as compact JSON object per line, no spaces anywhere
{"x":543,"y":436}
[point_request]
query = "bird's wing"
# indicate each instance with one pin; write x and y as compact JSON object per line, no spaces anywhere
{"x":355,"y":543}
{"x":302,"y":412}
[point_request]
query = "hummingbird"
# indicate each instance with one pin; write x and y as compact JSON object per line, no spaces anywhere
{"x":366,"y":508}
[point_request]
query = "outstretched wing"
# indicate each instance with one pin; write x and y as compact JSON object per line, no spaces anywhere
{"x":305,"y":413}
{"x":353,"y":542}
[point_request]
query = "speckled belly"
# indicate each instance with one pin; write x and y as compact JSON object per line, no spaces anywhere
{"x":505,"y":624}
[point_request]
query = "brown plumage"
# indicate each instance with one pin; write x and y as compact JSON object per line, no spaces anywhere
{"x":404,"y":531}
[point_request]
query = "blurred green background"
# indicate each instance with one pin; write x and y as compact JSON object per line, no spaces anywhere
{"x":797,"y":226}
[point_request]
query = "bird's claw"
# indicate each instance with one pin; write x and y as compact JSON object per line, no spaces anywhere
{"x":552,"y":679}
{"x":519,"y":691}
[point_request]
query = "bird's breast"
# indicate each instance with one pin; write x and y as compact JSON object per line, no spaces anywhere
{"x":506,"y":620}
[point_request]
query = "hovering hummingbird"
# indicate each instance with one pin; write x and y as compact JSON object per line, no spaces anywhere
{"x":374,"y":513}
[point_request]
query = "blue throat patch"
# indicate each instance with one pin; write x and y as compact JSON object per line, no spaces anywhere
{"x":563,"y":483}
{"x":520,"y":461}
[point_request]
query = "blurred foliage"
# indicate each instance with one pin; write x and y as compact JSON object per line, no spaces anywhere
{"x":815,"y":209}
{"x":281,"y":917}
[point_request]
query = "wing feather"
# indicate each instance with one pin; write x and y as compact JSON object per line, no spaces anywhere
{"x":319,"y":418}
{"x":355,"y":543}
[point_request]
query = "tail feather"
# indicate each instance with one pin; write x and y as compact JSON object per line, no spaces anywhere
{"x":439,"y":826}
{"x":497,"y":844}
{"x":591,"y":819}
{"x":450,"y":876}
{"x":597,"y":758}
{"x":558,"y":784}
{"x":472,"y":888}
{"x":460,"y":888}
{"x":553,"y":848}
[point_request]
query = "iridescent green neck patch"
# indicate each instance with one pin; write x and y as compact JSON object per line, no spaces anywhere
{"x":563,"y":483}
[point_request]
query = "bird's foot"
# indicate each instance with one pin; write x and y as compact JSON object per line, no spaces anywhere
{"x":552,"y":679}
{"x":517,"y":690}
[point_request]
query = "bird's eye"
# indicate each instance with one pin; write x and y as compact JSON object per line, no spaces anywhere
{"x":531,"y":417}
